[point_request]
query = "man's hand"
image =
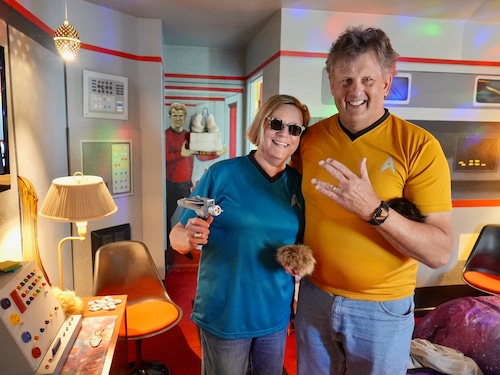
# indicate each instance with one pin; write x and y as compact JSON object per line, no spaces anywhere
{"x":187,"y":152}
{"x":353,"y":193}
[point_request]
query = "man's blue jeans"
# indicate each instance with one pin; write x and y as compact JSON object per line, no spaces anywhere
{"x":257,"y":356}
{"x":337,"y":335}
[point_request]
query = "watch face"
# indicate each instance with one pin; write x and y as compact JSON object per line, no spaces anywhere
{"x":381,"y":214}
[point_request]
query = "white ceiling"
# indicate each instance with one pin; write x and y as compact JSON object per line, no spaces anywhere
{"x":234,"y":23}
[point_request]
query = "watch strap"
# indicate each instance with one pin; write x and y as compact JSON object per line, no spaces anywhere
{"x":380,"y":214}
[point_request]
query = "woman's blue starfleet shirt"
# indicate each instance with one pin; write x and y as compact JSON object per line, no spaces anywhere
{"x":242,"y":289}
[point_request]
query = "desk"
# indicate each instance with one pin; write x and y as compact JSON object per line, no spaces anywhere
{"x":114,"y":360}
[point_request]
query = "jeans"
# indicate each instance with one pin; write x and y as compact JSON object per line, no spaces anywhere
{"x":255,"y":355}
{"x":337,"y":335}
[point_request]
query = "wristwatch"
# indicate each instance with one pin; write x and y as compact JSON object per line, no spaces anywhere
{"x":380,"y":214}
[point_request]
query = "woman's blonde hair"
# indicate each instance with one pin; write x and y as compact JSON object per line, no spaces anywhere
{"x":256,"y":130}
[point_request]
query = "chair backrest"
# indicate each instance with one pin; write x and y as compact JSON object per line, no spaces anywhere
{"x":485,"y":255}
{"x":126,"y":267}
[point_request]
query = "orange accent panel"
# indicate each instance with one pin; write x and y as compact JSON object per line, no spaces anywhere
{"x":147,"y":317}
{"x":476,"y":203}
{"x":483,"y":281}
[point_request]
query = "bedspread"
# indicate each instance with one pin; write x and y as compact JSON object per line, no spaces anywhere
{"x":470,"y":325}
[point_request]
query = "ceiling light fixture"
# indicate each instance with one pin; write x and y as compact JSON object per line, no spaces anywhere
{"x":66,"y":38}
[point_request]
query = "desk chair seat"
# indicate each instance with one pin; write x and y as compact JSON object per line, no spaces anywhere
{"x":126,"y":267}
{"x":482,"y":268}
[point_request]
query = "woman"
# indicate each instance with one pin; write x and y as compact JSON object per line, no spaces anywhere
{"x":244,"y":297}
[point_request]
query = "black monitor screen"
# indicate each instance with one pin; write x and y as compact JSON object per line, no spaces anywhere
{"x":476,"y":154}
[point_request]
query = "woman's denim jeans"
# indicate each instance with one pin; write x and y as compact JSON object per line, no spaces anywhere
{"x":257,"y":356}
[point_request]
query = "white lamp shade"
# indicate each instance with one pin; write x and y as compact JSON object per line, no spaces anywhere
{"x":78,"y":198}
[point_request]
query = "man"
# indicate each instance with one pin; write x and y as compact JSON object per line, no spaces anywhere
{"x":355,"y":312}
{"x":180,"y":160}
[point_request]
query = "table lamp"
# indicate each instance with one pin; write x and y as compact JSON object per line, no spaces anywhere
{"x":78,"y":198}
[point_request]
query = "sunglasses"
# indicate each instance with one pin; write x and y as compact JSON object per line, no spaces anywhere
{"x":278,"y":125}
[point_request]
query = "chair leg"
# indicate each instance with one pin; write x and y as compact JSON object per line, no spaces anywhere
{"x":140,"y":367}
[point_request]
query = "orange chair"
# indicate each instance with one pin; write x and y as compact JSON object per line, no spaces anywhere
{"x":482,"y":269}
{"x":126,"y":267}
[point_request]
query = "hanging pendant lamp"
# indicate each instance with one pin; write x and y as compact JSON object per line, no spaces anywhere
{"x":66,"y":38}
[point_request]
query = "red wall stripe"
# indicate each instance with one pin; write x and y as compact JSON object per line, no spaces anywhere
{"x":204,"y":88}
{"x":206,"y":98}
{"x":204,"y":76}
{"x":29,"y":16}
{"x":120,"y":54}
{"x":450,"y":62}
{"x":232,"y":130}
{"x":168,"y":104}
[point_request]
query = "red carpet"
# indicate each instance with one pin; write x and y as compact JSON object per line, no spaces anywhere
{"x":179,"y":347}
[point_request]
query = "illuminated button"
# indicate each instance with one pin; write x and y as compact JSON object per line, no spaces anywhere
{"x":5,"y":303}
{"x":26,"y":337}
{"x":36,"y":352}
{"x":15,"y":319}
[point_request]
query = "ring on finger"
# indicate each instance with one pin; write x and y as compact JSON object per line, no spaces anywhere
{"x":197,"y":235}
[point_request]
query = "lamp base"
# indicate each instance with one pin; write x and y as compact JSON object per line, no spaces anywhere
{"x":149,"y":368}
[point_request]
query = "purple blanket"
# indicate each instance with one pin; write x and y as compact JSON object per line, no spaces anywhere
{"x":470,"y":325}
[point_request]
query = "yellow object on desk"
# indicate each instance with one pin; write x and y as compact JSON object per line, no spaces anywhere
{"x":9,"y":266}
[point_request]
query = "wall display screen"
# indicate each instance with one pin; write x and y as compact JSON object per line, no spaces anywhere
{"x":400,"y":89}
{"x":476,"y":154}
{"x":110,"y":160}
{"x":487,"y":91}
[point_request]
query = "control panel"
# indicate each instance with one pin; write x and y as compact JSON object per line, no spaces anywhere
{"x":105,"y":96}
{"x":36,"y":333}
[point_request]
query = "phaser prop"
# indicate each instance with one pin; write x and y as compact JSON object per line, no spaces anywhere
{"x":204,"y":207}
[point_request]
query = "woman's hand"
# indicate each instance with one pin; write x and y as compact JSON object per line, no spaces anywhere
{"x":184,"y":239}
